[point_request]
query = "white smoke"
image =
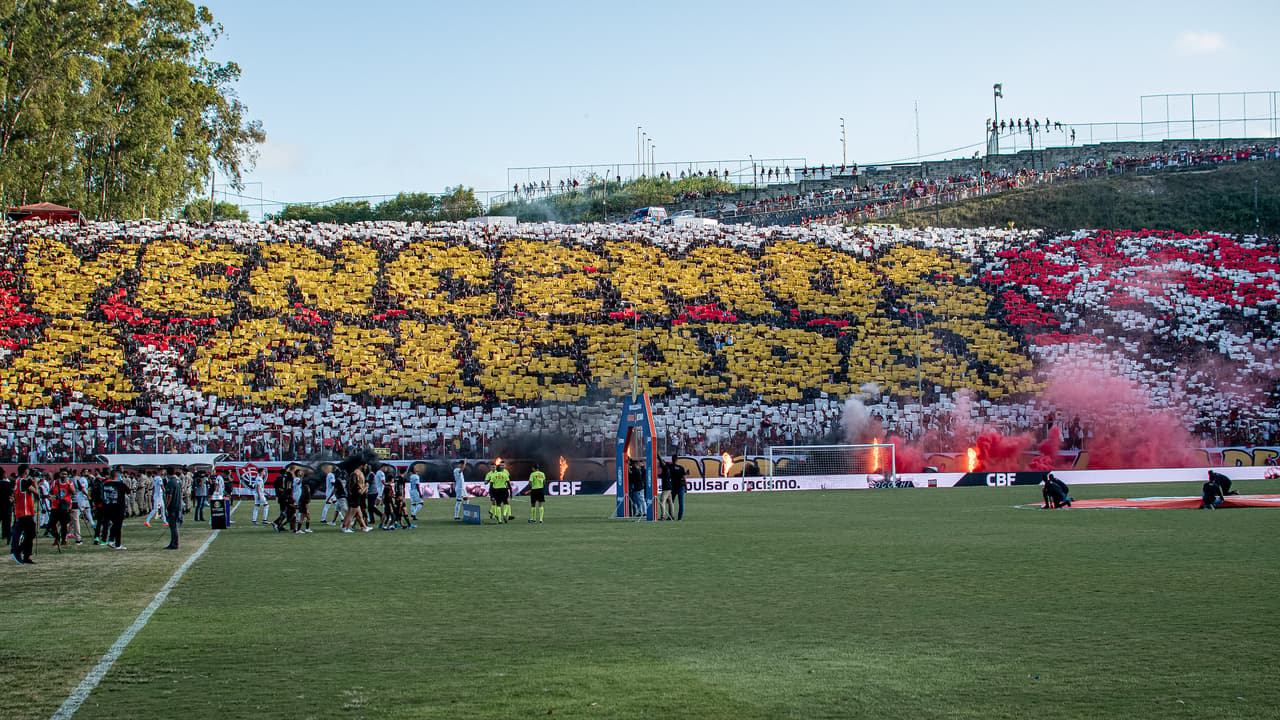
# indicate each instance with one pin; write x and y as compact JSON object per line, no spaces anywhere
{"x":856,"y":418}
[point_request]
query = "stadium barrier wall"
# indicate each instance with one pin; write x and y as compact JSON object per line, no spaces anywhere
{"x":598,"y":482}
{"x":442,"y":489}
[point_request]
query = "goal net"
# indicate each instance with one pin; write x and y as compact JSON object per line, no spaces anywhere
{"x":832,"y":460}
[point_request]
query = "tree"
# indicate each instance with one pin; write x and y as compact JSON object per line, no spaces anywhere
{"x":339,"y":212}
{"x":113,"y":106}
{"x":198,"y":211}
{"x":410,"y":207}
{"x":459,"y":203}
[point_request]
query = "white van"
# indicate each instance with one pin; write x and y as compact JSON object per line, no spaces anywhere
{"x":648,"y":214}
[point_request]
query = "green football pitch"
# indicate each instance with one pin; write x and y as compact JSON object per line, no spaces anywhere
{"x":938,"y":603}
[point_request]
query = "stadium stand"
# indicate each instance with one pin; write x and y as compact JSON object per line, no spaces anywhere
{"x":283,"y":340}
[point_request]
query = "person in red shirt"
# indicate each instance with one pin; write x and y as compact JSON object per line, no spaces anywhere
{"x":61,"y":494}
{"x":24,"y":510}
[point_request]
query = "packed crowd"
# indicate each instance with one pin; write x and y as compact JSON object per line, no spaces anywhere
{"x":291,"y":340}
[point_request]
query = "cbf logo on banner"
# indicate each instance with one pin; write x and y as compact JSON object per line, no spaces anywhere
{"x":1000,"y":479}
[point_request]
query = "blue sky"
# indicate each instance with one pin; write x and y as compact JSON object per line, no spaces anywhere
{"x":378,"y":97}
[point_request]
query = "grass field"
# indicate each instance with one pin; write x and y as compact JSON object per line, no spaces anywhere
{"x":894,"y":603}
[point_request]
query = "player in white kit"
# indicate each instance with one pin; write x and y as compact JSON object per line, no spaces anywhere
{"x":459,"y":489}
{"x":328,"y":497}
{"x":157,"y":500}
{"x":258,"y":485}
{"x":414,"y":499}
{"x":82,"y":506}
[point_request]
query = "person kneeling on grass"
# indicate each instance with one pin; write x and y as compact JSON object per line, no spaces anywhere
{"x":1211,"y":493}
{"x":1223,"y":482}
{"x":1055,"y":493}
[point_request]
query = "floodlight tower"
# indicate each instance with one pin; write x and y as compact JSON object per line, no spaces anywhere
{"x":997,"y":92}
{"x":844,"y":148}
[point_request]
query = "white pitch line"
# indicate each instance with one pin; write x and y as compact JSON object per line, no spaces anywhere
{"x":86,"y":686}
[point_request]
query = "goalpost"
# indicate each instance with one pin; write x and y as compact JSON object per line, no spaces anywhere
{"x":833,"y":460}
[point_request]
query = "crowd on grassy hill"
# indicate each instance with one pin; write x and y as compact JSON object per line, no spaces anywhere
{"x":288,"y":340}
{"x":864,"y":202}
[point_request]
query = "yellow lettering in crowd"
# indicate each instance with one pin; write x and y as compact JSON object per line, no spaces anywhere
{"x":439,"y":279}
{"x":728,"y":275}
{"x":948,"y":301}
{"x":1009,"y":371}
{"x":884,"y":352}
{"x":780,"y":364}
{"x":666,"y":356}
{"x":185,"y":279}
{"x":640,"y":274}
{"x":259,"y":362}
{"x":820,"y":280}
{"x":527,"y":360}
{"x":343,"y":284}
{"x":909,"y":267}
{"x":419,"y":364}
{"x":75,"y":356}
{"x":550,"y":278}
{"x":61,"y":283}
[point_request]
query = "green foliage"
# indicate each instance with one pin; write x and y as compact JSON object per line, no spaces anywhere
{"x":197,"y":211}
{"x":114,"y":108}
{"x":590,"y":202}
{"x":1220,"y":199}
{"x":339,"y":212}
{"x":457,"y":203}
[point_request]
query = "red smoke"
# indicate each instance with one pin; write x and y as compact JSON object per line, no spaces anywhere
{"x":1000,"y":453}
{"x":1126,"y":431}
{"x":907,"y":458}
{"x":1049,"y":452}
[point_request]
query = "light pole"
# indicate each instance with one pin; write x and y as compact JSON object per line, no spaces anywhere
{"x":635,"y":355}
{"x":844,"y":153}
{"x":638,"y":145}
{"x":752,"y":158}
{"x":997,"y":92}
{"x":919,"y":378}
{"x":643,"y":143}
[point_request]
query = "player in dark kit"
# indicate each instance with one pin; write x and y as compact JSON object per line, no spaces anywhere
{"x":304,"y":507}
{"x":172,"y":494}
{"x":115,"y":500}
{"x":284,"y":496}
